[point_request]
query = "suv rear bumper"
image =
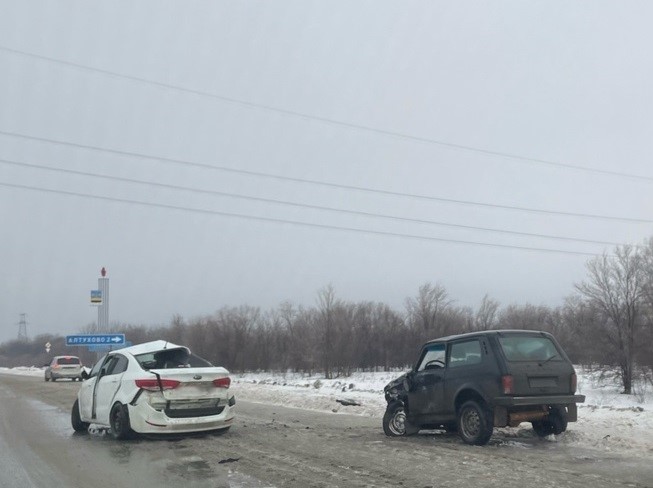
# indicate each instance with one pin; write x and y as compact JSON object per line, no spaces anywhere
{"x":514,"y":410}
{"x":517,"y":401}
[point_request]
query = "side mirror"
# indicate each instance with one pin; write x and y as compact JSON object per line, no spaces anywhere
{"x":84,"y":375}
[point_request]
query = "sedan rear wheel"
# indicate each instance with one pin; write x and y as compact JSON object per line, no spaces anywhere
{"x":120,"y":426}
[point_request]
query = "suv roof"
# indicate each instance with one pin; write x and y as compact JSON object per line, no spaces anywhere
{"x":485,"y":333}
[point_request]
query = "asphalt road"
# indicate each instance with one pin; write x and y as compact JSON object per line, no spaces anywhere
{"x":282,"y":447}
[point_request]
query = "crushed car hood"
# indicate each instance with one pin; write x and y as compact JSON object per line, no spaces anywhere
{"x":397,"y":383}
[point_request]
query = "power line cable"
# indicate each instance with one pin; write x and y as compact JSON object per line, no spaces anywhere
{"x":292,"y":222}
{"x":318,"y":182}
{"x":299,"y":205}
{"x":327,"y":120}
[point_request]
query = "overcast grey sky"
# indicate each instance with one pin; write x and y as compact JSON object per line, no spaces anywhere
{"x":447,"y":87}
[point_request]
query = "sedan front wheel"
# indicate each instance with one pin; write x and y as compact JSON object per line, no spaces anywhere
{"x":76,"y":419}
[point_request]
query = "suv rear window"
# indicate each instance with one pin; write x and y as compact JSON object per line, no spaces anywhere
{"x":529,"y":348}
{"x":70,"y":360}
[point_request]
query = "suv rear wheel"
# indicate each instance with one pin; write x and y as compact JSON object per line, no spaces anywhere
{"x":474,"y":423}
{"x":555,"y":423}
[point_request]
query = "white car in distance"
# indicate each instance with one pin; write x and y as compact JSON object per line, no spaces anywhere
{"x":154,"y":388}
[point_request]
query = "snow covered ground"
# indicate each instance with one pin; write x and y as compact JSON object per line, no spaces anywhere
{"x":608,"y":420}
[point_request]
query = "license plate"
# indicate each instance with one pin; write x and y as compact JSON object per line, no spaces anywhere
{"x":194,"y":404}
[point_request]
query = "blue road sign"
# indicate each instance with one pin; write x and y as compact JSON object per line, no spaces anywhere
{"x":95,"y":340}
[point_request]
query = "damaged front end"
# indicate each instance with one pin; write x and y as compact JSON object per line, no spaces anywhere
{"x":396,"y":420}
{"x":396,"y":389}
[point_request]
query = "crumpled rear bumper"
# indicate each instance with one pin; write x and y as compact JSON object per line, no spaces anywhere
{"x":146,"y":420}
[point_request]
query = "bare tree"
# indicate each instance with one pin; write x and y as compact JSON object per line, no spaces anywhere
{"x":529,"y":317}
{"x":647,"y":258}
{"x":326,"y":299}
{"x":426,"y":310}
{"x":647,"y":267}
{"x":616,"y":287}
{"x":486,"y":315}
{"x":177,"y":331}
{"x":298,"y":325}
{"x":580,"y":321}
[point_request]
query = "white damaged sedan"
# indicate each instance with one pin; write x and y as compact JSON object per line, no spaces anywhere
{"x":154,"y":388}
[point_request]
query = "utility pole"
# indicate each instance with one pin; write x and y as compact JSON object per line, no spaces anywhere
{"x":22,"y":328}
{"x":103,"y":309}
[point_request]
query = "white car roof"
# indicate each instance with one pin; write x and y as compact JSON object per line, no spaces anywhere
{"x":152,"y":346}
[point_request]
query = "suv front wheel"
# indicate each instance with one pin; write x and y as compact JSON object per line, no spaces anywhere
{"x":394,"y":420}
{"x":474,"y":423}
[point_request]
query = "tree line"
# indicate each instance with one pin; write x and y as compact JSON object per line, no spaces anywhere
{"x":606,"y":321}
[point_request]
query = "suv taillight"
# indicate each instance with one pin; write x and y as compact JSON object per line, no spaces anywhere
{"x":573,"y":382}
{"x":507,"y":384}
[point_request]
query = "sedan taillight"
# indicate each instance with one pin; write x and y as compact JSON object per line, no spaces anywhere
{"x":152,"y":384}
{"x":222,"y":382}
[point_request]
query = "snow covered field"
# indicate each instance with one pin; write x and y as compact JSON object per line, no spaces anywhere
{"x":608,"y":420}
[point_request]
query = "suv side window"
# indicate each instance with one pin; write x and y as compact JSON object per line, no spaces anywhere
{"x":433,"y":357}
{"x":465,"y":353}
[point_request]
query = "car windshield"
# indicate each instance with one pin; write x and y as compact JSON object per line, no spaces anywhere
{"x":69,"y":360}
{"x":529,"y":348}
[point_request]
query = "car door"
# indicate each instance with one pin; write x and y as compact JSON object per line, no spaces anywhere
{"x":426,"y":385}
{"x":107,"y":386}
{"x":87,"y":390}
{"x":466,"y":368}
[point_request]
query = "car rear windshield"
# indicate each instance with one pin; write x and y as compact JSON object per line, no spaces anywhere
{"x":69,"y":360}
{"x":171,"y":358}
{"x":529,"y":348}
